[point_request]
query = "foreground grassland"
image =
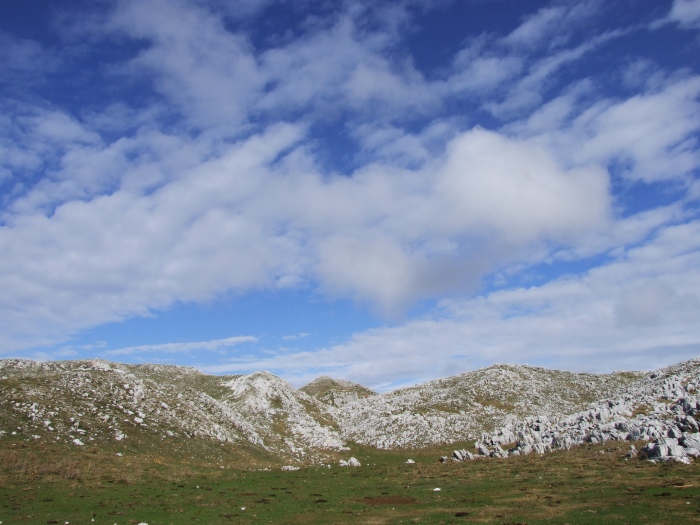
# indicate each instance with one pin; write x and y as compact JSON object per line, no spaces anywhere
{"x":589,"y":485}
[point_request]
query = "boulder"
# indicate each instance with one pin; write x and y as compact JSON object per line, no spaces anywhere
{"x":540,"y":448}
{"x":352,"y":462}
{"x":677,"y":451}
{"x":562,"y":442}
{"x":688,"y":424}
{"x":674,"y":432}
{"x":691,"y":442}
{"x":498,"y":452}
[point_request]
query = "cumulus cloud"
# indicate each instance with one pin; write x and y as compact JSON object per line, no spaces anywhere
{"x":636,"y":312}
{"x":216,"y":180}
{"x":385,"y":236}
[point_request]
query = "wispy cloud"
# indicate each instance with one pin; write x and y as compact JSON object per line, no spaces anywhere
{"x":294,"y":337}
{"x":686,"y":13}
{"x":198,"y":346}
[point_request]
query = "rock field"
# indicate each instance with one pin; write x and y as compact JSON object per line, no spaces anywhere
{"x":504,"y":409}
{"x":659,"y":408}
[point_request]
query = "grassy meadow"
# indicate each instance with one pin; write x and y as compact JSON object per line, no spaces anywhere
{"x":48,"y":483}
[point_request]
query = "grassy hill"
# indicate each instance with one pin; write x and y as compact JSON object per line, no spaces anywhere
{"x":92,"y":440}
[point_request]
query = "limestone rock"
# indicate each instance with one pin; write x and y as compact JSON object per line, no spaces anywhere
{"x":352,"y":462}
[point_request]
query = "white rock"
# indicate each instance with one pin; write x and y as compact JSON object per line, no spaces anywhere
{"x":352,"y":462}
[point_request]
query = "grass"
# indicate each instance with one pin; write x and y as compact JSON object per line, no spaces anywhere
{"x":588,"y":485}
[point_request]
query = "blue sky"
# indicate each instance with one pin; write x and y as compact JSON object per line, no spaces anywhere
{"x":386,"y":192}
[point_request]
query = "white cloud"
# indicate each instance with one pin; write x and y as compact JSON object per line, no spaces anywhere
{"x":300,"y":335}
{"x":537,"y":28}
{"x":648,"y":137}
{"x":529,"y":91}
{"x":386,"y":236}
{"x":686,"y":13}
{"x":479,"y":74}
{"x":26,"y":61}
{"x":198,"y":346}
{"x":208,"y":88}
{"x":635,"y":312}
{"x":217,"y":182}
{"x":653,"y":131}
{"x":517,"y":190}
{"x":123,"y":254}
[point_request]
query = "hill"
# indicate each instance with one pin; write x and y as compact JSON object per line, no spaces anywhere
{"x":261,"y":418}
{"x":337,"y":392}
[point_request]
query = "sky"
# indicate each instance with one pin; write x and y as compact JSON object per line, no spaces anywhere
{"x":386,"y":192}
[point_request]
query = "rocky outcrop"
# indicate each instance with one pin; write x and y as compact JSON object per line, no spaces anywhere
{"x":465,"y":406}
{"x":660,"y":407}
{"x":506,"y":409}
{"x":284,"y":417}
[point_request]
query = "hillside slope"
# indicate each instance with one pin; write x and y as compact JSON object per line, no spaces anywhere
{"x":97,"y":403}
{"x":465,"y":406}
{"x":337,"y":392}
{"x":93,"y":402}
{"x":662,"y":407}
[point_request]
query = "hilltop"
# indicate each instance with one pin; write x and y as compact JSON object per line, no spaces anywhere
{"x":260,"y":417}
{"x":337,"y":392}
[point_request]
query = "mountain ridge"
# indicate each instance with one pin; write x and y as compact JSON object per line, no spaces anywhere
{"x":100,"y":403}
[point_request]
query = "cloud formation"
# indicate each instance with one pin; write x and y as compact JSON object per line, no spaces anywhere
{"x":198,"y":346}
{"x":199,"y":153}
{"x":686,"y":13}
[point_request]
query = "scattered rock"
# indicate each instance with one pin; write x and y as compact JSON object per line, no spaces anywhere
{"x":352,"y":462}
{"x":524,"y":410}
{"x":637,"y":412}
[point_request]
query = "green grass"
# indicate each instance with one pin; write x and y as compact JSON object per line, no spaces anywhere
{"x":589,"y":485}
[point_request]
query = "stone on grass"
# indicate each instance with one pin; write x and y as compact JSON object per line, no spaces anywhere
{"x":352,"y":462}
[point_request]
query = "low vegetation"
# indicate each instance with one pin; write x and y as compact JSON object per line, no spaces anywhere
{"x":94,"y":442}
{"x":49,"y":483}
